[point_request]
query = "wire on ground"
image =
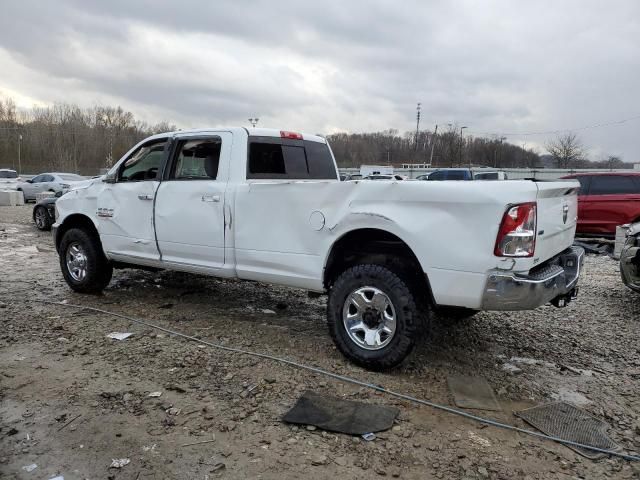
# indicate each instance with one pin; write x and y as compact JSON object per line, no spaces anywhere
{"x":346,"y":379}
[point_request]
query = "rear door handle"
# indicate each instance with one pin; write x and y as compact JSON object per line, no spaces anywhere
{"x":145,"y":197}
{"x":210,"y":198}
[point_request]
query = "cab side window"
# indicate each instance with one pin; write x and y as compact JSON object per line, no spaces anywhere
{"x":271,"y":158}
{"x":613,"y":185}
{"x":196,"y":159}
{"x":144,"y":163}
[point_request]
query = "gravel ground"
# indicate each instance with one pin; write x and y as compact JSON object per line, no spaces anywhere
{"x":72,"y":400}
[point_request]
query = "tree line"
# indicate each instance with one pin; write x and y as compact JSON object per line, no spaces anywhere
{"x":452,"y":148}
{"x":65,"y":137}
{"x":443,"y":149}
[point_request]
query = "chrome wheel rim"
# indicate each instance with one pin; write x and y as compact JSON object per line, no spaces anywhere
{"x":40,"y":218}
{"x":76,"y":262}
{"x":369,"y":318}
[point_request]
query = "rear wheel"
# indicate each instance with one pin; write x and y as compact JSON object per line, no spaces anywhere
{"x":42,"y":218}
{"x":83,"y":264}
{"x":372,"y":316}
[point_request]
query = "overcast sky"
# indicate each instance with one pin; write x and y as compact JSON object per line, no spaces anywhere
{"x":321,"y":67}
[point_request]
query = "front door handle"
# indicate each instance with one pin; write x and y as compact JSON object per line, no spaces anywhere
{"x":210,"y":198}
{"x":145,"y":197}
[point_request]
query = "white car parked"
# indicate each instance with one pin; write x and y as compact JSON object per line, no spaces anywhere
{"x":267,"y":205}
{"x":48,"y":182}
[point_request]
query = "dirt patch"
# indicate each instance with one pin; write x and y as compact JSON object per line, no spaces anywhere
{"x":73,"y":400}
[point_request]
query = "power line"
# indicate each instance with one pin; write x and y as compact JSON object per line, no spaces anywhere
{"x":562,"y":130}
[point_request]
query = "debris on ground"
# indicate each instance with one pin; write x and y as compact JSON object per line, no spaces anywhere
{"x":472,"y":392}
{"x":49,"y":378}
{"x":119,"y":462}
{"x":30,"y":468}
{"x":337,"y":415}
{"x":119,"y":335}
{"x":563,"y":420}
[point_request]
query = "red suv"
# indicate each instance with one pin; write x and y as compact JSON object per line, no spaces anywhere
{"x":607,"y":200}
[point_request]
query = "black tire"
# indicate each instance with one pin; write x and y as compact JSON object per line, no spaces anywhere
{"x":98,"y":270}
{"x":404,"y":303}
{"x":42,"y":219}
{"x":455,"y":314}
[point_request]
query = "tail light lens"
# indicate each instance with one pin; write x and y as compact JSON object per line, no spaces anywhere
{"x":517,"y":234}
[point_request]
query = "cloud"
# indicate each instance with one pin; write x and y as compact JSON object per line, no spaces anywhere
{"x":496,"y":67}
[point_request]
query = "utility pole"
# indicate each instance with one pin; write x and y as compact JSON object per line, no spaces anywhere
{"x":502,"y":139}
{"x":462,"y":146}
{"x":254,"y":121}
{"x":110,"y":157}
{"x":417,"y":123}
{"x":19,"y":159}
{"x":433,"y":144}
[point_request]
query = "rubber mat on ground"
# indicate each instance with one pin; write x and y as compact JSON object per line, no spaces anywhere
{"x":565,"y":421}
{"x":472,"y":392}
{"x":337,"y":415}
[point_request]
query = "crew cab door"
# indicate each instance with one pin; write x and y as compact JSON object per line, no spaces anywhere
{"x":292,"y":187}
{"x":190,"y":203}
{"x":125,"y":205}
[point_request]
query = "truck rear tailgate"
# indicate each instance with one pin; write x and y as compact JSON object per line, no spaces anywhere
{"x":557,"y":217}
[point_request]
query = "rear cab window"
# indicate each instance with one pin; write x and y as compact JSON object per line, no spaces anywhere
{"x":283,"y":158}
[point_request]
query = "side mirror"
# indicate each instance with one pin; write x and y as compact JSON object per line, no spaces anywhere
{"x":29,"y":181}
{"x":58,"y":194}
{"x":109,"y":178}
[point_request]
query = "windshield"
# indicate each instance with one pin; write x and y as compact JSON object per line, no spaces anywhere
{"x":71,"y":177}
{"x":8,"y":174}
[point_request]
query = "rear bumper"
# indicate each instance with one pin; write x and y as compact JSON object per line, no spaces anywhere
{"x":556,"y":280}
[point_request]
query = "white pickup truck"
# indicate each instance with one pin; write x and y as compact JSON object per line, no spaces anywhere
{"x":268,"y":205}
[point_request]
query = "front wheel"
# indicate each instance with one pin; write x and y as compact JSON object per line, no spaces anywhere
{"x":372,"y":316}
{"x":83,"y":264}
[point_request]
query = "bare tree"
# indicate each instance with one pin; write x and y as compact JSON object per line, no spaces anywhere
{"x":566,"y":150}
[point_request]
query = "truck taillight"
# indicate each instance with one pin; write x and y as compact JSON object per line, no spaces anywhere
{"x":291,"y":135}
{"x":517,"y":233}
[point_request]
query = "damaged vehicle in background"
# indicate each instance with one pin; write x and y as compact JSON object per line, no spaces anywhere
{"x":267,"y":205}
{"x":630,"y":258}
{"x":44,"y":212}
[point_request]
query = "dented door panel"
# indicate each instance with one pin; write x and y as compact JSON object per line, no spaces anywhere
{"x":125,"y":219}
